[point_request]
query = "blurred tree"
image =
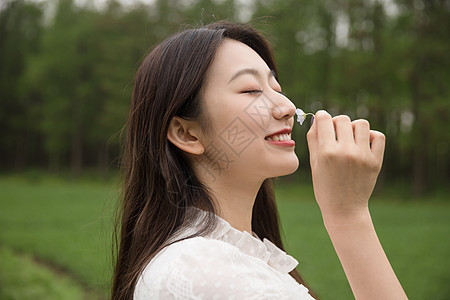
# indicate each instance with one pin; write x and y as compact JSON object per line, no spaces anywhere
{"x":388,"y":63}
{"x":68,"y":83}
{"x":83,"y":74}
{"x":204,"y":11}
{"x":20,"y":31}
{"x":63,"y":74}
{"x":428,"y":22}
{"x":122,"y":40}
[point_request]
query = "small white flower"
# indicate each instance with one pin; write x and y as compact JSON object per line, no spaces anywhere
{"x":301,"y":115}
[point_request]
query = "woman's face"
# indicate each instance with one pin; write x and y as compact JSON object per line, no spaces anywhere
{"x":244,"y":103}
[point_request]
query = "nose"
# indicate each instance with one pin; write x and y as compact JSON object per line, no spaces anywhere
{"x":282,"y":107}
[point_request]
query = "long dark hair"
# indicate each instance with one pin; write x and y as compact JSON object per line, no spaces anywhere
{"x":159,"y":184}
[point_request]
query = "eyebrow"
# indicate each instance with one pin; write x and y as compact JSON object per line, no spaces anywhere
{"x":250,"y":71}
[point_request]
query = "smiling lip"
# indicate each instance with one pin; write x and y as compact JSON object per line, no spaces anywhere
{"x":285,"y":130}
{"x":282,"y":138}
{"x":283,"y":143}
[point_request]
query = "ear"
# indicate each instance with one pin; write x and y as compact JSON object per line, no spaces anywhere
{"x":185,"y":135}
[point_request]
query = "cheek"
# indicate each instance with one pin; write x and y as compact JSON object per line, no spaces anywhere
{"x":233,"y":124}
{"x":232,"y":144}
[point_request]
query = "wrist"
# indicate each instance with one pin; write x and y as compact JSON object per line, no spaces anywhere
{"x":349,"y":220}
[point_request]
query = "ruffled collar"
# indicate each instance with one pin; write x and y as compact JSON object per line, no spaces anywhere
{"x":249,"y":244}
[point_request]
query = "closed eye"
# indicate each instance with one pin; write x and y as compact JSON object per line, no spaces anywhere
{"x":251,"y":92}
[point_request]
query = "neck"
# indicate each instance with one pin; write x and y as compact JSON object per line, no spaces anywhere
{"x":235,"y":199}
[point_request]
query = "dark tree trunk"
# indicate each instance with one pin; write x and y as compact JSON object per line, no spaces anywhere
{"x":76,"y":162}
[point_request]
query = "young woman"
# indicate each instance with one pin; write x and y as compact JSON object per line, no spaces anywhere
{"x":209,"y":127}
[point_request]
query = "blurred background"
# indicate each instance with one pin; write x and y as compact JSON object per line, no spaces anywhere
{"x":66,"y":75}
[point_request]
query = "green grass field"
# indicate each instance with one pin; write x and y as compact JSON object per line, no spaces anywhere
{"x":55,"y":240}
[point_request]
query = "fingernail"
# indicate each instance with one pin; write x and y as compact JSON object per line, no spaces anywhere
{"x":312,"y":121}
{"x":322,"y":111}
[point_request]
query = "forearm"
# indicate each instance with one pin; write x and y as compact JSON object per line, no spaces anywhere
{"x":365,"y":264}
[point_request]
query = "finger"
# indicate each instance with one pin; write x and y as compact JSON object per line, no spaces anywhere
{"x":344,"y":130}
{"x":312,"y":139}
{"x":361,"y":131}
{"x":325,"y":128}
{"x":378,"y":140}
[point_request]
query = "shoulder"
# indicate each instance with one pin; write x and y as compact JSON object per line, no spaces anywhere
{"x":194,"y":268}
{"x":188,"y":255}
{"x":203,"y":268}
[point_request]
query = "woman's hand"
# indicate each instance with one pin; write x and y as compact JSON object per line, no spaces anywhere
{"x":346,"y":158}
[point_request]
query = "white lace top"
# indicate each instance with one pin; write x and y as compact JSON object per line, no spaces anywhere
{"x":226,"y":264}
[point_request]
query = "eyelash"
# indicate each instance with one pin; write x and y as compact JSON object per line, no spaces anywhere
{"x":260,"y":91}
{"x":252,"y":92}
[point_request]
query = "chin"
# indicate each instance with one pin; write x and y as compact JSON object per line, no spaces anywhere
{"x":292,"y":168}
{"x":287,"y":168}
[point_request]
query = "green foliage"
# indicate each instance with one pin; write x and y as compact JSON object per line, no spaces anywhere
{"x":413,"y":235}
{"x":20,"y":34}
{"x":69,"y":224}
{"x":357,"y":58}
{"x":66,"y":223}
{"x":22,"y":278}
{"x":66,"y":74}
